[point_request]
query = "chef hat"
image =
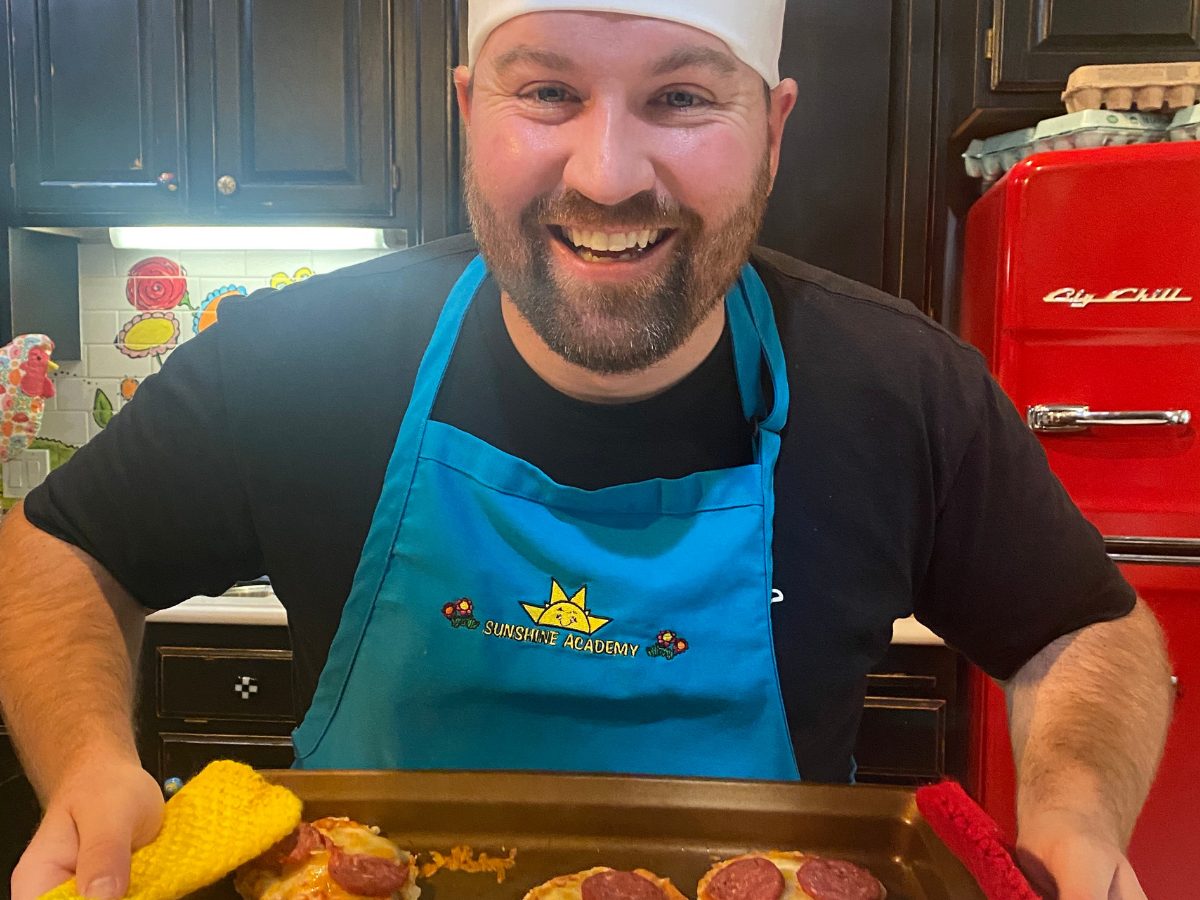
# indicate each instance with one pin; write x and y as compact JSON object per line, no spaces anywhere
{"x":753,"y":30}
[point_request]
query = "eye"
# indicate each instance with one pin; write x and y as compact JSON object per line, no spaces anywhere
{"x":550,"y":94}
{"x":682,"y":100}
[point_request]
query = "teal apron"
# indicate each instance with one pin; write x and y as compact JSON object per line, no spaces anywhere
{"x":500,"y":620}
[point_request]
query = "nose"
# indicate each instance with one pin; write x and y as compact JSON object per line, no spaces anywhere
{"x":609,"y":159}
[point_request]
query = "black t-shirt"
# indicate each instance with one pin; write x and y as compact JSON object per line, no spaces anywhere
{"x":907,"y":483}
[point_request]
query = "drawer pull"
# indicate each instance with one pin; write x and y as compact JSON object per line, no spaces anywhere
{"x":245,"y":687}
{"x":171,"y":787}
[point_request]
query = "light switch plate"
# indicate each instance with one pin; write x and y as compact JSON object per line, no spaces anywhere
{"x":24,"y":473}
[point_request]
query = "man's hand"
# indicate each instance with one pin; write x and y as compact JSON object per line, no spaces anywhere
{"x":94,"y":819}
{"x":1066,"y":858}
{"x":1088,"y":717}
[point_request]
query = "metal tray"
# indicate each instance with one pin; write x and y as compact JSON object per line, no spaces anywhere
{"x":675,"y":827}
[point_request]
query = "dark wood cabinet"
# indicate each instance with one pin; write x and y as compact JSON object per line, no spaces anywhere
{"x":914,"y":727}
{"x":301,"y":106}
{"x":1036,"y":44}
{"x":217,"y":111}
{"x":852,"y":190}
{"x":19,"y":808}
{"x":97,"y":100}
{"x":214,"y":692}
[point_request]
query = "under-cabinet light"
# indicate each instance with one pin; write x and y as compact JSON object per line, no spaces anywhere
{"x":203,"y":237}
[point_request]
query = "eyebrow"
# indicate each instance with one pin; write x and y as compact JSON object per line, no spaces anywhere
{"x":524,"y":53}
{"x":695,"y":55}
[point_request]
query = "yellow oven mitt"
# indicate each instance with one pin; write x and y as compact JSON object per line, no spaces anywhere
{"x":224,"y":817}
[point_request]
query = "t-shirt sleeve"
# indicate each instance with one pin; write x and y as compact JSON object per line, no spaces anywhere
{"x":1014,"y":564}
{"x":156,"y":497}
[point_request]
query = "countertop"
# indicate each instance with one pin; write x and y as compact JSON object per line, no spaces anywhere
{"x":257,"y":605}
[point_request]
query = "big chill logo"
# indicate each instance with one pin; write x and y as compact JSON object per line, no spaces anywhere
{"x":1078,"y":298}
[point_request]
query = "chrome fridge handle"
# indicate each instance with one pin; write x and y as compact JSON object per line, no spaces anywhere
{"x":1068,"y":417}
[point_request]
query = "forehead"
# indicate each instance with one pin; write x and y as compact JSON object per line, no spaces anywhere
{"x":643,"y":45}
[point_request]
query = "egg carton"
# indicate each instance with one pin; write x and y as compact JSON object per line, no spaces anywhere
{"x":989,"y":159}
{"x":1148,"y":87}
{"x":1186,"y":125}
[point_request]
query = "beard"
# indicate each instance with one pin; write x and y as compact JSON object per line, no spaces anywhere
{"x":612,"y":329}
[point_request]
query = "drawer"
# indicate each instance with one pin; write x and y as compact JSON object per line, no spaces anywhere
{"x":902,"y":740}
{"x":183,"y":755}
{"x":234,"y":684}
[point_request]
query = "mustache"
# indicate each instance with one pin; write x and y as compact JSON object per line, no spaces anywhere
{"x":644,"y":210}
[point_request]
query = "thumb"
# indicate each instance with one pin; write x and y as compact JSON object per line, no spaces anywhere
{"x":105,"y":847}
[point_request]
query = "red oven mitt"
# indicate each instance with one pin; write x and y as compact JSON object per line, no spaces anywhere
{"x":975,"y":839}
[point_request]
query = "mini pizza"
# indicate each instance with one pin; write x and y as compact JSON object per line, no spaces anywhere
{"x":603,"y":883}
{"x":788,"y":875}
{"x":330,"y":859}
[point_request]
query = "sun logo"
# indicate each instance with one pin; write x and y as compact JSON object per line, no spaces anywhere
{"x":561,"y":611}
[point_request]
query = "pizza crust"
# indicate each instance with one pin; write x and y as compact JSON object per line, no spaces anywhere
{"x":570,"y":887}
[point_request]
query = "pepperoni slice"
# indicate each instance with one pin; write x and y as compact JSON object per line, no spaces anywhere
{"x":308,"y":841}
{"x":755,"y":878}
{"x":613,"y":884}
{"x":293,"y":849}
{"x":367,"y":876}
{"x":836,"y":879}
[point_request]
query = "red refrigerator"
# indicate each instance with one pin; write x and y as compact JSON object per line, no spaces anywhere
{"x":1082,"y":288}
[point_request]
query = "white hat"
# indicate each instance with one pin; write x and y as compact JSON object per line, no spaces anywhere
{"x":753,"y":29}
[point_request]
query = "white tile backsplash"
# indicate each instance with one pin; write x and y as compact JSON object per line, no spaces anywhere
{"x":99,"y":326}
{"x":74,"y":394}
{"x":265,"y":263}
{"x":106,"y":361}
{"x":96,"y":259}
{"x":204,"y":263}
{"x":105,"y":310}
{"x":70,"y":427}
{"x":98,"y":293}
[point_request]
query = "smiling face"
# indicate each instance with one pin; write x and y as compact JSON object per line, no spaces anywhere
{"x":618,"y":168}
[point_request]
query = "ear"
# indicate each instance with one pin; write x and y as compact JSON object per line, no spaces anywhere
{"x":462,"y":91}
{"x":783,"y":101}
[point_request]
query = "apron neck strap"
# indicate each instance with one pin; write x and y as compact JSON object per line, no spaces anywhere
{"x":755,"y":341}
{"x":751,"y":326}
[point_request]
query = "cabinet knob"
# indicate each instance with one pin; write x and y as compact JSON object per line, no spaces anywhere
{"x":227,"y":184}
{"x":245,"y":687}
{"x":168,"y":180}
{"x":171,"y":787}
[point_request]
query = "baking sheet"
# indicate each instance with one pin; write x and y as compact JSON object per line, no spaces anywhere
{"x":675,"y":827}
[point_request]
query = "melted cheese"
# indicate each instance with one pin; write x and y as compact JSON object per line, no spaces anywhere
{"x":358,"y":839}
{"x":311,"y":881}
{"x":789,"y":866}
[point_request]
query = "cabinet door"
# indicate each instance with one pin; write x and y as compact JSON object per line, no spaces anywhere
{"x":302,"y":107}
{"x":183,"y":755}
{"x":97,"y":101}
{"x":1039,"y":42}
{"x":851,"y":194}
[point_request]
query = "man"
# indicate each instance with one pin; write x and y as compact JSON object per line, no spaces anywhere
{"x":580,"y":472}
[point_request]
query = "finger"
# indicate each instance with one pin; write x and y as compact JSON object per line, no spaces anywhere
{"x":105,"y":847}
{"x":1126,"y":886}
{"x":49,"y":860}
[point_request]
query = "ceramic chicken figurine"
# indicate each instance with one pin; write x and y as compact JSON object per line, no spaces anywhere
{"x":25,"y":386}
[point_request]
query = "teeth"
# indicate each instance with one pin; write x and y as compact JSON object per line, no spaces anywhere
{"x":614,"y":242}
